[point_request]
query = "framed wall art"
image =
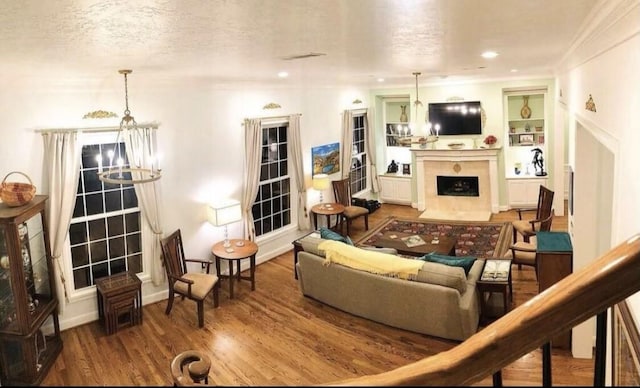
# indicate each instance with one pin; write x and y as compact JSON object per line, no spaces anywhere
{"x":625,"y":347}
{"x":326,"y":158}
{"x":526,"y":138}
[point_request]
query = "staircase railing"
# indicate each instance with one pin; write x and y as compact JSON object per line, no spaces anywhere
{"x":608,"y":280}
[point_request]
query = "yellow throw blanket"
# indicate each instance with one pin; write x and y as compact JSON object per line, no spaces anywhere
{"x":370,"y":261}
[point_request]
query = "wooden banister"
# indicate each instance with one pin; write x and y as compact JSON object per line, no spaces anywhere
{"x":608,"y":280}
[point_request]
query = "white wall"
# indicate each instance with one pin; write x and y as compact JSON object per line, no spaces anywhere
{"x":604,"y":64}
{"x":490,"y":94}
{"x":201,"y":141}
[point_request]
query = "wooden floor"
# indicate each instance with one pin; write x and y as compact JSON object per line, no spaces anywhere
{"x":275,"y":336}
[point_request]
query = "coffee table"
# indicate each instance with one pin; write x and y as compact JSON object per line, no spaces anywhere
{"x":441,"y":245}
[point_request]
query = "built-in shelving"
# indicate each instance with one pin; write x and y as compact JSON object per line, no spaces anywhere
{"x":527,"y":136}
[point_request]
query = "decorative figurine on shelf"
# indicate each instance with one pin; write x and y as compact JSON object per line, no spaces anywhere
{"x":538,"y":162}
{"x":393,"y":167}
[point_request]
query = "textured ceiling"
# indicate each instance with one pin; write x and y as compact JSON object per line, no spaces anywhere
{"x":247,"y":40}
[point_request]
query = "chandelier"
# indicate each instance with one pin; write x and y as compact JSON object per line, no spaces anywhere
{"x":417,"y":102}
{"x":143,"y":168}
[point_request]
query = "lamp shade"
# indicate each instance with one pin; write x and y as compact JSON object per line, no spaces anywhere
{"x":224,"y":212}
{"x":321,"y":181}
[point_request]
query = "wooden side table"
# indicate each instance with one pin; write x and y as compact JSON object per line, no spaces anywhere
{"x":237,"y":253}
{"x":554,"y":258}
{"x":297,"y":247}
{"x":327,"y":209}
{"x":119,"y":301}
{"x":494,"y":280}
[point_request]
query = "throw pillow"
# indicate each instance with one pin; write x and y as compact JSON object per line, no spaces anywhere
{"x":466,"y":262}
{"x":443,"y":275}
{"x":329,"y":234}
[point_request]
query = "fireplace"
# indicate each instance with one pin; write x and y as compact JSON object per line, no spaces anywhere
{"x":458,"y":186}
{"x":481,"y":164}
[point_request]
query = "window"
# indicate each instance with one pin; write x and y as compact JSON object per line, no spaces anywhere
{"x":358,"y":172}
{"x":272,"y":206}
{"x":105,"y":231}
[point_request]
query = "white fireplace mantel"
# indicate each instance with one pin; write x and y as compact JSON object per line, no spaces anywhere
{"x":431,"y":162}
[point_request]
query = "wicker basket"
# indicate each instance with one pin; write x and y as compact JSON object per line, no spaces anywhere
{"x":16,"y":194}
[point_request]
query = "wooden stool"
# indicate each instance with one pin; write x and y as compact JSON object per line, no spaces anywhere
{"x":198,"y":366}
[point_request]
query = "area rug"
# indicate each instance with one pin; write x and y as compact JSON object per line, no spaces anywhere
{"x":482,"y":239}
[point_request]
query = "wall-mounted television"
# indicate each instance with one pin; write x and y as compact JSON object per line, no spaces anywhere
{"x":456,"y":118}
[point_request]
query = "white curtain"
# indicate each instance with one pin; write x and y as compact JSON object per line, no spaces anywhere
{"x":295,"y":151}
{"x":346,"y":146}
{"x":62,"y":169}
{"x":252,"y":162}
{"x":141,"y":147}
{"x":371,"y":148}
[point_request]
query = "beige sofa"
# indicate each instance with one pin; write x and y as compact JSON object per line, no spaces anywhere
{"x":440,"y":301}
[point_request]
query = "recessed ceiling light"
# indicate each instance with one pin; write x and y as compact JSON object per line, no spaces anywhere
{"x":514,"y":70}
{"x":489,"y":54}
{"x":283,"y":74}
{"x":380,"y":79}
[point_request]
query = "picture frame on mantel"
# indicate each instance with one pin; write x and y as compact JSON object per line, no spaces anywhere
{"x":625,"y":347}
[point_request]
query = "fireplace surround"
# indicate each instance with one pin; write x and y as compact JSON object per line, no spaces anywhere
{"x":481,"y":163}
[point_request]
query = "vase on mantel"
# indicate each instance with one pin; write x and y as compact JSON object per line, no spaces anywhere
{"x":403,"y":114}
{"x":525,"y":112}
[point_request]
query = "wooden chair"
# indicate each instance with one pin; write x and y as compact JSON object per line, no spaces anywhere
{"x":528,"y":228}
{"x":524,"y":253}
{"x":193,"y":285}
{"x":342,"y":194}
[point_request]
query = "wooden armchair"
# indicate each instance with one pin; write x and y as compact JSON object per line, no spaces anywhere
{"x":524,"y":253}
{"x":193,"y":285}
{"x":342,"y":193}
{"x":528,"y":228}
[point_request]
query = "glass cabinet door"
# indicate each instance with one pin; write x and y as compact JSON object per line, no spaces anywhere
{"x":7,"y":300}
{"x":34,"y":261}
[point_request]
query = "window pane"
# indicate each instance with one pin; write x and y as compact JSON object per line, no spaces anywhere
{"x":79,"y":256}
{"x":133,"y":243}
{"x":77,"y":233}
{"x":135,"y":263}
{"x":81,"y":278}
{"x":115,"y":225}
{"x":100,"y":270}
{"x":116,"y":247}
{"x":132,"y":222}
{"x":113,"y":202}
{"x":94,"y":204}
{"x":97,"y":230}
{"x":91,"y":181}
{"x":78,"y":210}
{"x":98,"y":251}
{"x":129,"y":198}
{"x":117,"y":266}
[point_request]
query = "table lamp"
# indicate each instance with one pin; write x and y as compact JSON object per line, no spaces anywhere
{"x":321,"y":183}
{"x":223,"y":213}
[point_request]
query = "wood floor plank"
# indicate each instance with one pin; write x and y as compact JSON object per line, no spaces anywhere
{"x":275,"y":336}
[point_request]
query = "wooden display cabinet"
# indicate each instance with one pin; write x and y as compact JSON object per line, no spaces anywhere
{"x":29,"y":329}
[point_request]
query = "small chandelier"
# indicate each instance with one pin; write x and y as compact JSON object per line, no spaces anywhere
{"x":136,"y":172}
{"x":417,"y":102}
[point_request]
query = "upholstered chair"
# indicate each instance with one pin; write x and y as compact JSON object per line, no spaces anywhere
{"x":528,"y":227}
{"x":342,"y":193}
{"x":524,"y":253}
{"x":193,"y":285}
